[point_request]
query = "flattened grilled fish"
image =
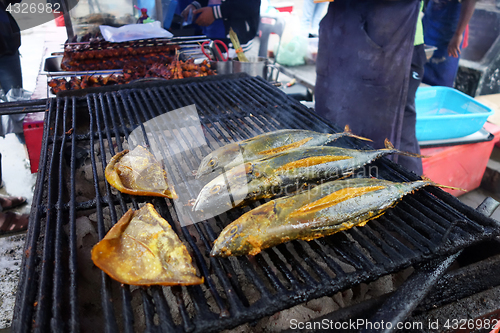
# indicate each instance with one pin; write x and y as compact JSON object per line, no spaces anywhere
{"x":138,"y":173}
{"x":264,"y":145}
{"x":283,"y":174}
{"x":142,"y":249}
{"x":319,"y":212}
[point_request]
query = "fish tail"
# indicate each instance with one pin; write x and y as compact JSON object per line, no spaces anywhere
{"x":347,"y":132}
{"x":390,"y":147}
{"x":440,"y":185}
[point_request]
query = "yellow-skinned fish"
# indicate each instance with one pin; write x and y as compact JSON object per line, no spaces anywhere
{"x":283,"y":173}
{"x":264,"y":145}
{"x":319,"y":212}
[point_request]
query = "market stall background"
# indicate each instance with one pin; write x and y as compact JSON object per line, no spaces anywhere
{"x":30,"y":58}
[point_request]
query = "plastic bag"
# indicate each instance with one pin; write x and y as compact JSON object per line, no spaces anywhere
{"x":14,"y":123}
{"x":293,"y":52}
{"x":312,"y":50}
{"x":134,"y":32}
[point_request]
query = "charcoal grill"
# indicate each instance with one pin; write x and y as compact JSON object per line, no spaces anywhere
{"x":55,"y":290}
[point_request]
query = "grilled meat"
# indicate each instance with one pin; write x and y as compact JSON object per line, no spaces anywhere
{"x":138,"y":173}
{"x":142,"y":249}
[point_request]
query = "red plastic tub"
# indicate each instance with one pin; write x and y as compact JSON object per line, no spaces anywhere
{"x":33,"y":134}
{"x":285,"y":7}
{"x":460,"y":166}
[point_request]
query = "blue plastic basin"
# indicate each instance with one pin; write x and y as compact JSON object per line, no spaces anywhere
{"x":446,"y":113}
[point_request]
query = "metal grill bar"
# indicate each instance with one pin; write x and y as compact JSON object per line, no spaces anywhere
{"x":187,"y":235}
{"x":107,"y":306}
{"x":28,"y":280}
{"x":57,"y":324}
{"x":128,"y":317}
{"x":74,"y":325}
{"x":424,"y":225}
{"x":46,"y":282}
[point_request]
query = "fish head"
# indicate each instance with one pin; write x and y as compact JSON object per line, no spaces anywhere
{"x":248,"y":234}
{"x":226,"y":191}
{"x":220,"y":158}
{"x":230,"y":241}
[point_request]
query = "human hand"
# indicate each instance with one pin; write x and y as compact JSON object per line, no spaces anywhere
{"x":454,"y":45}
{"x":185,"y":12}
{"x":206,"y":16}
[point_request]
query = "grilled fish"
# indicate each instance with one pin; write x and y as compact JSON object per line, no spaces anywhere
{"x":283,"y":173}
{"x":142,"y":249}
{"x":137,"y":172}
{"x":319,"y":212}
{"x":264,"y":145}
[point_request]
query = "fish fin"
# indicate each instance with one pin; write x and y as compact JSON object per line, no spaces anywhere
{"x":346,"y":175}
{"x":405,"y":153}
{"x":390,"y":146}
{"x":442,"y":186}
{"x":348,"y":132}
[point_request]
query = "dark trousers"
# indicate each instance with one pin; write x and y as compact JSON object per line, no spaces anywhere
{"x":10,"y":72}
{"x":409,"y":141}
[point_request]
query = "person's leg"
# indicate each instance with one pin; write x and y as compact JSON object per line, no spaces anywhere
{"x":10,"y":72}
{"x":11,"y":202}
{"x":320,"y":10}
{"x":307,"y":16}
{"x":409,"y":141}
{"x":12,"y":222}
{"x":441,"y":69}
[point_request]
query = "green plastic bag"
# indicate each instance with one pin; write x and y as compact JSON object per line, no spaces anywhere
{"x":293,"y":53}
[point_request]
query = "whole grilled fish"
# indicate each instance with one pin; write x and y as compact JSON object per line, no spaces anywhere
{"x":264,"y":145}
{"x":283,"y":173}
{"x":321,"y":211}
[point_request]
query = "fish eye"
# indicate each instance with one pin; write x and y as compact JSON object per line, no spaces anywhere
{"x":215,"y":189}
{"x":233,"y":230}
{"x":212,"y":163}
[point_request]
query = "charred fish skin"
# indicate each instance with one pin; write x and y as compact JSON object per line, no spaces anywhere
{"x":282,"y":173}
{"x":347,"y":203}
{"x":263,"y":145}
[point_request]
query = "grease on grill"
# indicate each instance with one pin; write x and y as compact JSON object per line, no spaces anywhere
{"x":138,"y":173}
{"x":142,"y":249}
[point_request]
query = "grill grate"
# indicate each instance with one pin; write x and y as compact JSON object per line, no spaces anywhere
{"x":62,"y":291}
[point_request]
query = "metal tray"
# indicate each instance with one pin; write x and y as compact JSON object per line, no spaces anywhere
{"x":52,"y":67}
{"x":429,"y":51}
{"x":190,"y":46}
{"x":480,"y":136}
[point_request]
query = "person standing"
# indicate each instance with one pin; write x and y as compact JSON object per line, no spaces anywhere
{"x":10,"y":40}
{"x":409,"y":140}
{"x":217,"y":16}
{"x":10,"y":77}
{"x":445,"y":22}
{"x":363,"y":66}
{"x":312,"y":13}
